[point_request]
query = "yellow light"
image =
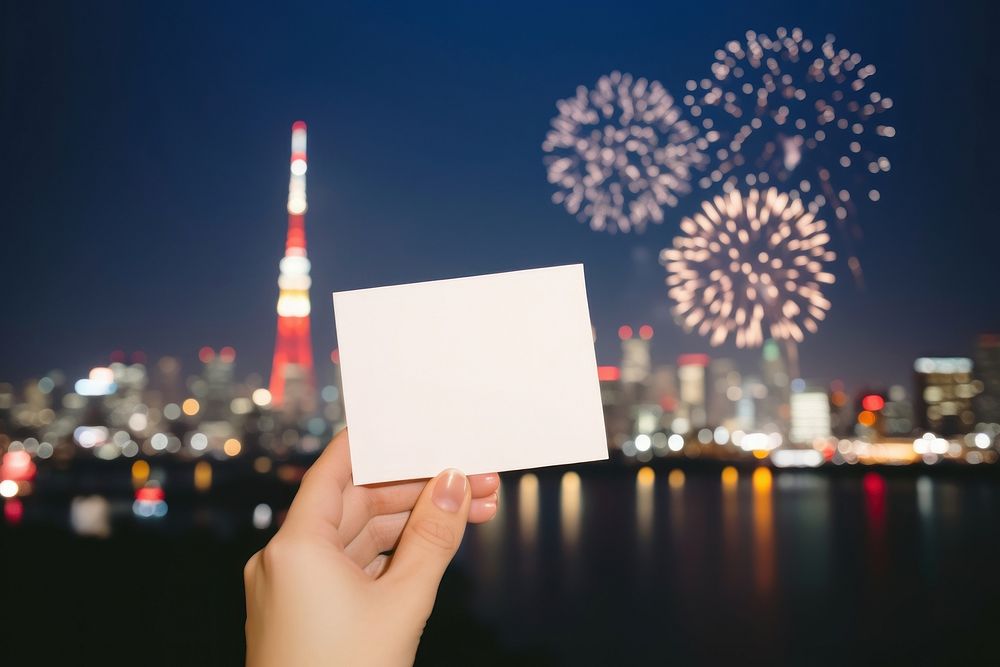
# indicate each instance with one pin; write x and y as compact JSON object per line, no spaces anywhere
{"x":527,"y":508}
{"x":570,"y":506}
{"x":761,"y":480}
{"x":645,"y":477}
{"x":190,"y":407}
{"x":866,"y":418}
{"x":232,"y":447}
{"x":676,"y":479}
{"x":760,"y":453}
{"x":140,"y":473}
{"x":203,"y":476}
{"x":730,"y":477}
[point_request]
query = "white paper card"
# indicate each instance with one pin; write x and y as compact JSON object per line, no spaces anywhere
{"x":483,"y":374}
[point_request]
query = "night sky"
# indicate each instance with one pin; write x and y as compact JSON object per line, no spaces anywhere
{"x":144,"y":168}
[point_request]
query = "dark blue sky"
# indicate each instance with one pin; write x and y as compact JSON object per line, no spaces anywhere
{"x":144,"y":163}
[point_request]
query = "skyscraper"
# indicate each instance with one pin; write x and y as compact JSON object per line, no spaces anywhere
{"x":691,"y":372}
{"x":987,"y":372}
{"x":945,"y":390}
{"x":293,"y":385}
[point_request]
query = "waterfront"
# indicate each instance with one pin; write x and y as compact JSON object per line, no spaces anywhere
{"x":595,"y":565}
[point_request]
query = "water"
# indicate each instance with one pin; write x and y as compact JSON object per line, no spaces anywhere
{"x":598,"y":565}
{"x":702,"y":567}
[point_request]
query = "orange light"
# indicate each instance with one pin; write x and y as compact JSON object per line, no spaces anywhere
{"x":873,"y":402}
{"x":866,"y":418}
{"x":190,"y":407}
{"x":625,"y":332}
{"x":645,"y":332}
{"x":838,"y":398}
{"x":232,"y":447}
{"x":761,"y":480}
{"x":140,"y":473}
{"x":203,"y":476}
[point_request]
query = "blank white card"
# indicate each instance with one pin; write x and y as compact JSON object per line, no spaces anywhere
{"x":484,"y":374}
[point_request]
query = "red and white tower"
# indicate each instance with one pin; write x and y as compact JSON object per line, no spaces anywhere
{"x":293,"y":385}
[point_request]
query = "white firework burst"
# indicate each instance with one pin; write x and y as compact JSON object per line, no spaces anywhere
{"x":619,"y":152}
{"x":787,"y":109}
{"x":752,"y":266}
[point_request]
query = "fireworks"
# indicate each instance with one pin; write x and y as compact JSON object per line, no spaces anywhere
{"x":749,"y":263}
{"x":620,"y":152}
{"x":787,"y":109}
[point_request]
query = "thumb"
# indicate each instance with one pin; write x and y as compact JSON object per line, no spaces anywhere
{"x":431,"y":537}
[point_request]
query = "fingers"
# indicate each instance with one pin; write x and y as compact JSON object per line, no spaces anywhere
{"x":381,"y":533}
{"x":318,"y":504}
{"x":362,"y":503}
{"x":429,"y":540}
{"x":483,"y":509}
{"x":485,"y":485}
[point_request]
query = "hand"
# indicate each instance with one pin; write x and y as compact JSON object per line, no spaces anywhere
{"x":324,"y":592}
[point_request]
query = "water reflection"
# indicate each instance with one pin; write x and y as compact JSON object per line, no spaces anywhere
{"x":570,"y":511}
{"x":925,"y":508}
{"x":645,"y":482}
{"x":875,"y":500}
{"x":527,"y":511}
{"x":730,"y":521}
{"x":763,"y":531}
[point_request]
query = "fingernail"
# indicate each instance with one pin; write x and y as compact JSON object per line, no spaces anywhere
{"x":449,"y":491}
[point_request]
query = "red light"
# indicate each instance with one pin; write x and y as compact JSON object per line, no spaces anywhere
{"x":17,"y":466}
{"x":625,"y":332}
{"x":13,"y":511}
{"x":206,"y":354}
{"x":608,"y":373}
{"x":692,"y":360}
{"x":335,"y":356}
{"x":874,"y":484}
{"x":873,"y":402}
{"x":645,"y":332}
{"x":227,"y":355}
{"x":118,"y":356}
{"x":138,"y":357}
{"x":153,"y":494}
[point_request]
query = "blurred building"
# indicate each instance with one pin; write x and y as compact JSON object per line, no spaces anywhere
{"x":722,"y":393}
{"x":774,"y":408}
{"x":616,"y":410}
{"x":691,"y":375}
{"x":987,"y":373}
{"x":810,"y":416}
{"x":897,"y":415}
{"x":944,"y":393}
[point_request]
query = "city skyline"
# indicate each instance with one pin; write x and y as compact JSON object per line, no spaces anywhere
{"x":175,"y":211}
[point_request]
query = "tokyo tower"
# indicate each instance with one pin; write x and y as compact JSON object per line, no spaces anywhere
{"x":293,"y":385}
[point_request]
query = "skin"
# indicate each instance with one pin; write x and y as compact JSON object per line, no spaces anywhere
{"x":325,"y":592}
